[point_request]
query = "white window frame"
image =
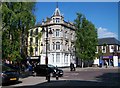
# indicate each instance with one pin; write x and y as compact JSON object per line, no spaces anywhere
{"x":110,"y":48}
{"x":57,"y":45}
{"x":104,"y":51}
{"x":57,"y":32}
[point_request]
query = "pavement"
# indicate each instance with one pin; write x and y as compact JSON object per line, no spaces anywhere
{"x":31,"y":80}
{"x":91,"y":68}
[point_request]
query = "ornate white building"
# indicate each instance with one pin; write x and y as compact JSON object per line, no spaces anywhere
{"x":61,"y":37}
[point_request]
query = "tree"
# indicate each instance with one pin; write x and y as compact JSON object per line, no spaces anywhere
{"x":39,"y":37}
{"x":17,"y":18}
{"x":86,"y":41}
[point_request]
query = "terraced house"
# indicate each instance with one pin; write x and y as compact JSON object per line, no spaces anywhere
{"x":61,"y":37}
{"x":34,"y":43}
{"x":110,"y":51}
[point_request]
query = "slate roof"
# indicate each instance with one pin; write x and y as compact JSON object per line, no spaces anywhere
{"x":108,"y":41}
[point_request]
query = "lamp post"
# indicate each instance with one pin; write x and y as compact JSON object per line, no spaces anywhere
{"x":46,"y":57}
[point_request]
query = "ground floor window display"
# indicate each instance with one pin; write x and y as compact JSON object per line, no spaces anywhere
{"x":107,"y":60}
{"x":58,"y":59}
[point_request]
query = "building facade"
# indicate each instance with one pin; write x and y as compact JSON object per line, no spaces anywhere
{"x":34,"y":43}
{"x":109,"y":50}
{"x":61,"y":37}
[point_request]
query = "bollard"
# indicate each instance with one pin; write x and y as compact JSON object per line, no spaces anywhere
{"x":57,"y":77}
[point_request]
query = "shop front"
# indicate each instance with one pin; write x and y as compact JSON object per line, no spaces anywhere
{"x":111,"y":60}
{"x":108,"y":59}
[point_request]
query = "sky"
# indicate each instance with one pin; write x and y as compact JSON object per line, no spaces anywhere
{"x":104,"y":15}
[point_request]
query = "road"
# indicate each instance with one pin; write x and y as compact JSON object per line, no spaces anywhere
{"x":80,"y":77}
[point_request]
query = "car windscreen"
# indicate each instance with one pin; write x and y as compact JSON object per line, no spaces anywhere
{"x":51,"y":66}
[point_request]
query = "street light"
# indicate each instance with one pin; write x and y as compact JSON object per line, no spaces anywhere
{"x":46,"y":58}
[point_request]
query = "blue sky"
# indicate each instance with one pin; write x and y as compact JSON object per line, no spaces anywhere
{"x":104,"y":15}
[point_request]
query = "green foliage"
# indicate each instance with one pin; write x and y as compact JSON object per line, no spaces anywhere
{"x":17,"y":18}
{"x":39,"y":35}
{"x":86,"y":38}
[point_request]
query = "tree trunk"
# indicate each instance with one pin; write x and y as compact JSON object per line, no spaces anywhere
{"x":88,"y":63}
{"x":82,"y":63}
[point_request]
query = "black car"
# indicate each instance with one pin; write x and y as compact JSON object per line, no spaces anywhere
{"x":43,"y":70}
{"x":8,"y":74}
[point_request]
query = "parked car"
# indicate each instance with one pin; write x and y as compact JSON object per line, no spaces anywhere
{"x":43,"y":70}
{"x":8,"y":74}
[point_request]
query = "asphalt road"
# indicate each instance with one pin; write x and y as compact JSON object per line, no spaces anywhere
{"x":86,"y":77}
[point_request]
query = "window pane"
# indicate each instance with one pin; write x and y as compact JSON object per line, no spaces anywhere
{"x":57,"y":20}
{"x":36,"y":49}
{"x":48,"y":46}
{"x":36,"y":40}
{"x":31,"y":40}
{"x":31,"y":32}
{"x":57,"y":45}
{"x":58,"y":57}
{"x":57,"y":32}
{"x":37,"y":31}
{"x":53,"y":46}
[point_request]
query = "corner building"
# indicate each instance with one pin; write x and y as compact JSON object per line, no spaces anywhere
{"x":61,"y":37}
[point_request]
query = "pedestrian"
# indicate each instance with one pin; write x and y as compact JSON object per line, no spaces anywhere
{"x":112,"y":63}
{"x":106,"y":63}
{"x":71,"y":66}
{"x":100,"y":63}
{"x":23,"y":67}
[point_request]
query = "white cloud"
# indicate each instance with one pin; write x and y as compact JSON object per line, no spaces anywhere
{"x":104,"y":32}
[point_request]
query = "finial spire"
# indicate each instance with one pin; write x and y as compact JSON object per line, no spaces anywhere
{"x":56,"y":4}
